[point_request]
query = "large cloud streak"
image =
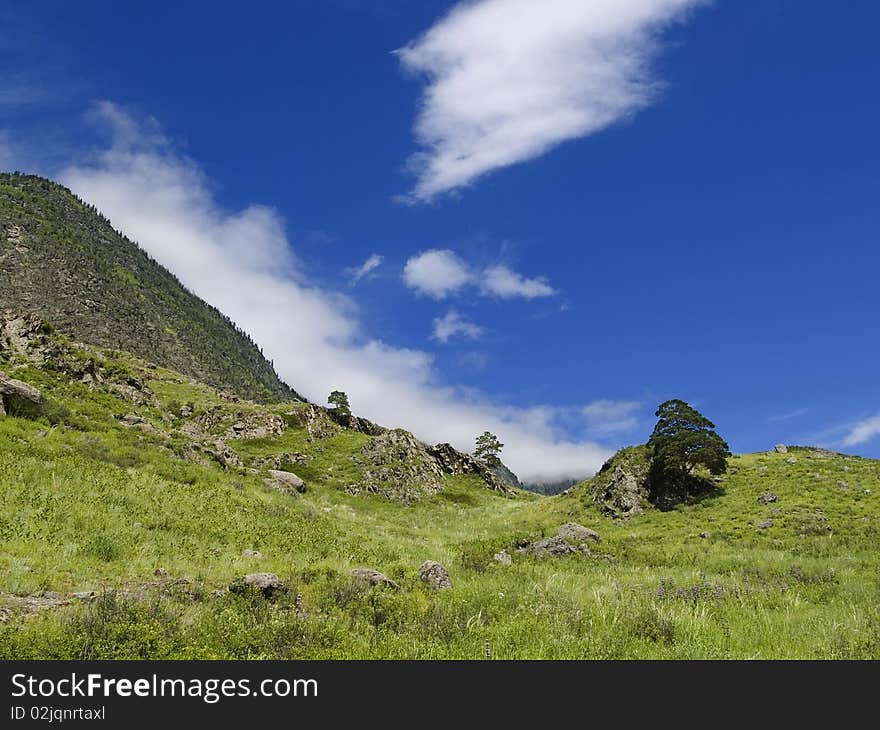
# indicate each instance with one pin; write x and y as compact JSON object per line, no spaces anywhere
{"x":242,"y":263}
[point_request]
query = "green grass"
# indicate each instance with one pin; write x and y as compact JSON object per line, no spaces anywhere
{"x":89,"y":505}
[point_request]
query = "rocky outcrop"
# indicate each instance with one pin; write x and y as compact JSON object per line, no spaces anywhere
{"x":356,"y":423}
{"x":767,"y":498}
{"x":505,"y":475}
{"x":435,"y":576}
{"x":781,"y":449}
{"x":399,"y":467}
{"x":370,"y":577}
{"x":133,"y":390}
{"x":577,"y":534}
{"x":26,"y":337}
{"x":452,"y":461}
{"x":269,"y":585}
{"x":316,"y":420}
{"x":551,"y":547}
{"x":282,"y":460}
{"x":255,"y":425}
{"x":285,"y":481}
{"x":222,"y":454}
{"x":132,"y":420}
{"x":620,"y":489}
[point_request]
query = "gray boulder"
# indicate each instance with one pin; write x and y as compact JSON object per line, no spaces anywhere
{"x":765,"y":524}
{"x":285,"y":481}
{"x":268,"y":584}
{"x":767,"y":498}
{"x":373,"y":578}
{"x":12,"y":390}
{"x":577,"y":534}
{"x":552,"y":547}
{"x":435,"y":575}
{"x":503,"y":557}
{"x":781,"y":449}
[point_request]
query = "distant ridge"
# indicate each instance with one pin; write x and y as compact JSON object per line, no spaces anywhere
{"x":62,"y":260}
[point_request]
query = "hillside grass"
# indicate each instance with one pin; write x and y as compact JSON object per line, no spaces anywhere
{"x":89,"y":505}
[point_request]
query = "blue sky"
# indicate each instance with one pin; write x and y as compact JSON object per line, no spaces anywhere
{"x":568,"y":218}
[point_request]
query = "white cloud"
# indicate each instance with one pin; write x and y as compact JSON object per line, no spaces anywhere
{"x":612,"y":416}
{"x":863,"y":432}
{"x":436,"y":273}
{"x":366,"y":269}
{"x":241,"y":262}
{"x":510,"y":79}
{"x":506,"y":284}
{"x":442,"y":273}
{"x":452,"y":324}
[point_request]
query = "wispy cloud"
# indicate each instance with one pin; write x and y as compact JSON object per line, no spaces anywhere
{"x":612,"y":416}
{"x":452,"y":324}
{"x":241,"y":262}
{"x":508,"y":80}
{"x":501,"y":282}
{"x":788,"y":416}
{"x":365,"y":270}
{"x":442,"y":273}
{"x":863,"y":431}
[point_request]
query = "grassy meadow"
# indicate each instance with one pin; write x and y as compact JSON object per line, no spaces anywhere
{"x":89,"y":505}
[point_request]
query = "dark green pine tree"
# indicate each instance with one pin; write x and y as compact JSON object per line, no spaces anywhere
{"x":684,"y":439}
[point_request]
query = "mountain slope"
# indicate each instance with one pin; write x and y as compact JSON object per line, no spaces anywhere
{"x":60,"y":259}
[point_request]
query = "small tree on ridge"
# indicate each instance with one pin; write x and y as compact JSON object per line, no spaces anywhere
{"x":339,"y":401}
{"x":488,"y":449}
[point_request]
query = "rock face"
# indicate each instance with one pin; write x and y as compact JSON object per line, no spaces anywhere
{"x":268,"y":584}
{"x":505,"y":475}
{"x":373,"y":578}
{"x":620,"y":489}
{"x":285,"y":481}
{"x":316,"y":421}
{"x":256,"y":425}
{"x":452,"y":461}
{"x":767,"y":498}
{"x":399,"y":467}
{"x":435,"y":576}
{"x":577,"y":534}
{"x":356,"y":423}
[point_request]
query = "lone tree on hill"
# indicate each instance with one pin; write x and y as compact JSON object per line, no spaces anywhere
{"x":339,"y":401}
{"x":684,"y":439}
{"x":488,"y":448}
